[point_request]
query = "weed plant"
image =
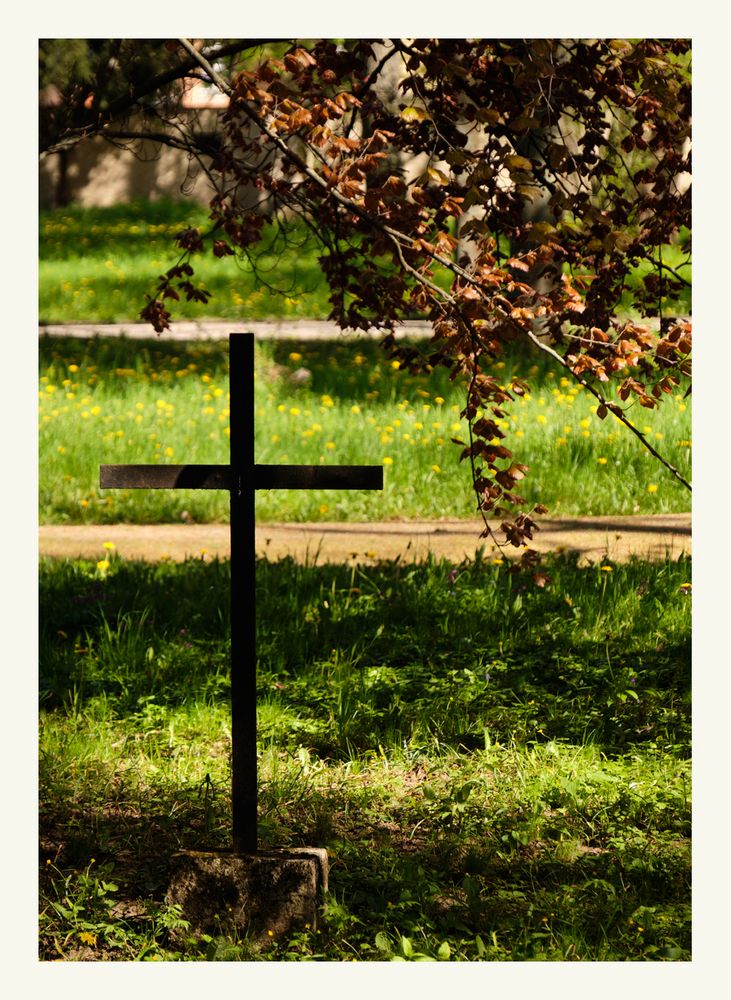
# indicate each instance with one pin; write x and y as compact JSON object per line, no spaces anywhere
{"x":118,"y":401}
{"x":499,"y":771}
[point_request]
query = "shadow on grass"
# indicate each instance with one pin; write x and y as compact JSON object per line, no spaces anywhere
{"x":389,"y":653}
{"x":489,"y":762}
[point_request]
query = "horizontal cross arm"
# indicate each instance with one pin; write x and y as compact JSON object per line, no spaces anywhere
{"x":318,"y":477}
{"x":220,"y":477}
{"x":165,"y":477}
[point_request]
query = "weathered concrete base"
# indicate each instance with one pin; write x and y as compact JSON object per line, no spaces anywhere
{"x":264,"y":895}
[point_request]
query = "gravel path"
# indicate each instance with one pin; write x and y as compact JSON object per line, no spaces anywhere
{"x":616,"y":538}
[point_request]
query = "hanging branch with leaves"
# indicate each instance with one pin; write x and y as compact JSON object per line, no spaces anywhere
{"x":506,"y":189}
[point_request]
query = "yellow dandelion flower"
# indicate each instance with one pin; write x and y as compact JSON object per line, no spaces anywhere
{"x":294,"y":411}
{"x":602,"y":461}
{"x":330,"y":445}
{"x":103,"y":565}
{"x":439,"y":400}
{"x":295,"y":356}
{"x":652,"y":488}
{"x":435,"y":468}
{"x":607,"y":569}
{"x":387,"y":460}
{"x":83,"y":503}
{"x":73,"y":368}
{"x":109,"y":546}
{"x":355,"y":408}
{"x":169,"y":452}
{"x":324,"y":508}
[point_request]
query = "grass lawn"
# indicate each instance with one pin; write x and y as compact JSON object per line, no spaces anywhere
{"x":98,"y":264}
{"x":498,"y":772}
{"x":116,"y":401}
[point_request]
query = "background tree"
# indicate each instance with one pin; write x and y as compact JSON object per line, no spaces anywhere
{"x":447,"y":177}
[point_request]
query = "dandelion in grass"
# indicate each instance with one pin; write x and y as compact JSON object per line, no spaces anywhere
{"x":602,"y":460}
{"x":387,"y":460}
{"x":607,"y":569}
{"x":436,"y":469}
{"x":109,"y":546}
{"x":652,"y":488}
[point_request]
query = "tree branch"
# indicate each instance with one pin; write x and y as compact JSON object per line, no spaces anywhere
{"x":401,"y":240}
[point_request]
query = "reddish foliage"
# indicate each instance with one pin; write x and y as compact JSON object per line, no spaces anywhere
{"x":538,"y":172}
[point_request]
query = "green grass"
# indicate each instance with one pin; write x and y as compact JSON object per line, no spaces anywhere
{"x":499,"y":772}
{"x":97,"y":265}
{"x":118,"y":401}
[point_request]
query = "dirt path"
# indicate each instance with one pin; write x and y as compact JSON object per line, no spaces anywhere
{"x":653,"y":537}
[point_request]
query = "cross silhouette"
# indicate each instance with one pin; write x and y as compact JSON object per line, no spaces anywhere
{"x":242,"y":477}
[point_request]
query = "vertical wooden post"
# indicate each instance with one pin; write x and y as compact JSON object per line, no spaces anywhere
{"x":243,"y":594}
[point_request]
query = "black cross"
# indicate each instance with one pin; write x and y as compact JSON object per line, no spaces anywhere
{"x":241,"y":478}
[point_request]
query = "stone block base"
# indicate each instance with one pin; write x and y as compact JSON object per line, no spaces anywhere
{"x":264,"y":895}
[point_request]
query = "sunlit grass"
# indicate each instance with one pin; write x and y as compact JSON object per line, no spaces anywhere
{"x":114,"y":402}
{"x":99,"y":265}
